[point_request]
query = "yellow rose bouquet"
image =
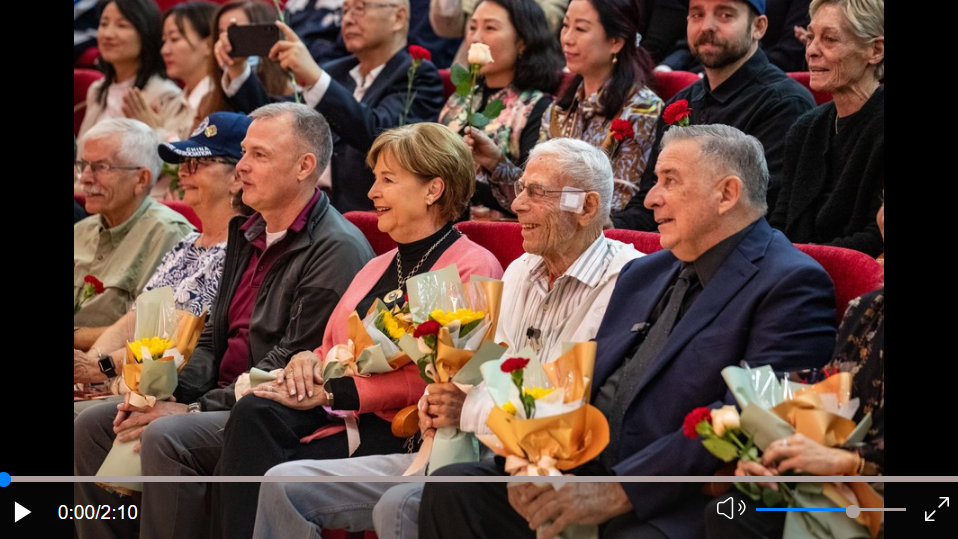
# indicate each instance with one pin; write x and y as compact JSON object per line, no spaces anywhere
{"x":454,"y":330}
{"x":164,"y":340}
{"x":372,"y":346}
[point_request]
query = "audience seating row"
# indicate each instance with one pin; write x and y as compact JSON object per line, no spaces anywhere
{"x":182,"y":208}
{"x":854,"y":273}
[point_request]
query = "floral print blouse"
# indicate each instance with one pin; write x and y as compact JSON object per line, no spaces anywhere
{"x":521,"y":109}
{"x":642,"y":109}
{"x":192,"y":272}
{"x":860,"y":350}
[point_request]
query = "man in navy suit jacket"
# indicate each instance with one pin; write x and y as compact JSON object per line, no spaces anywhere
{"x":360,"y":95}
{"x":754,"y":297}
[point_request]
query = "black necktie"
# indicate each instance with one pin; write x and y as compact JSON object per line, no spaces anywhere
{"x":649,"y":349}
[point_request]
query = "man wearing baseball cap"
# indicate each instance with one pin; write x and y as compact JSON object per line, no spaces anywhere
{"x":740,"y":89}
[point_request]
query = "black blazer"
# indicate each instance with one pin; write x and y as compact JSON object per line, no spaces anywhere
{"x":356,"y":124}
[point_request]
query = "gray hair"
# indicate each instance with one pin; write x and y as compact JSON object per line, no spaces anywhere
{"x":137,"y":143}
{"x":730,"y":151}
{"x":580,"y":165}
{"x":310,"y":129}
{"x":866,"y":18}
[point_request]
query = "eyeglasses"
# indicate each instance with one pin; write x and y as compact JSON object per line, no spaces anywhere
{"x":359,"y":8}
{"x":99,"y":167}
{"x":534,"y":190}
{"x":192,"y":164}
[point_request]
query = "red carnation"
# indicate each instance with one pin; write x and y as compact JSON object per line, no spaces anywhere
{"x":419,"y":53}
{"x":514,"y":364}
{"x":677,"y":113}
{"x":95,"y":283}
{"x":692,"y":420}
{"x":429,"y":327}
{"x":621,"y":130}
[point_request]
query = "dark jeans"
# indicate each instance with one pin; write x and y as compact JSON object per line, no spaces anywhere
{"x":261,"y":434}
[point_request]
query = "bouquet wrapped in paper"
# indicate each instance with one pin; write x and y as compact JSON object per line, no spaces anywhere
{"x":773,"y":408}
{"x":372,"y":346}
{"x":542,"y":422}
{"x":164,"y":340}
{"x":453,"y":337}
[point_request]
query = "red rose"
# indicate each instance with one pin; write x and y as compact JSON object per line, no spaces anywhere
{"x":692,"y":420}
{"x":95,"y":283}
{"x":678,"y":112}
{"x":429,"y":327}
{"x":514,"y":364}
{"x":621,"y":130}
{"x":419,"y":53}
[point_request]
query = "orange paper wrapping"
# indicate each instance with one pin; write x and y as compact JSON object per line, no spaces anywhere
{"x":361,"y":339}
{"x":573,"y":371}
{"x":493,"y":292}
{"x":448,"y":358}
{"x":867,"y":498}
{"x":572,"y":438}
{"x":806,"y":412}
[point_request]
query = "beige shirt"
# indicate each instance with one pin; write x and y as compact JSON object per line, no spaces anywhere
{"x":123,"y":258}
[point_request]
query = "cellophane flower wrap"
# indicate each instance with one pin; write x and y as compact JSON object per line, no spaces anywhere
{"x":372,"y":346}
{"x":164,"y":340}
{"x":773,"y":408}
{"x":453,"y":337}
{"x":564,"y":430}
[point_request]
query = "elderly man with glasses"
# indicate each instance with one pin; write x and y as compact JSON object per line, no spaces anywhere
{"x":360,"y":95}
{"x":122,"y":244}
{"x":556,"y":292}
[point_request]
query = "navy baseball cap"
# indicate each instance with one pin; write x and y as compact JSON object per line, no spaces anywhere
{"x":759,"y":5}
{"x":218,"y":135}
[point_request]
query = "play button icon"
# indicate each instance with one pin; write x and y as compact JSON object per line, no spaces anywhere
{"x":19,"y":512}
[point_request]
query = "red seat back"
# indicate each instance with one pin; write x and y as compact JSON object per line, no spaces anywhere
{"x":447,"y":86}
{"x":802,"y":77}
{"x":669,"y":83}
{"x":185,"y":210}
{"x":82,"y":79}
{"x":645,"y":242}
{"x":367,"y":223}
{"x":88,"y":58}
{"x":853,"y":272}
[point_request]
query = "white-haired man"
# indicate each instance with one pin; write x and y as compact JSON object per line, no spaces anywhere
{"x":123,"y":243}
{"x":555,"y":293}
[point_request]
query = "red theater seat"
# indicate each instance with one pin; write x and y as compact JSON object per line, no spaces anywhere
{"x":802,"y":78}
{"x":669,"y":83}
{"x":366,"y":222}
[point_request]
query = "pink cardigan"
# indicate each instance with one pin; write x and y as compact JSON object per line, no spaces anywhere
{"x":385,"y":394}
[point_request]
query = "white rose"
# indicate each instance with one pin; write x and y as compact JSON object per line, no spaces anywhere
{"x":479,"y":53}
{"x":724,"y":418}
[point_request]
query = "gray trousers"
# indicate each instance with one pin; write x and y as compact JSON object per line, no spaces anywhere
{"x":180,"y":445}
{"x":303,"y":510}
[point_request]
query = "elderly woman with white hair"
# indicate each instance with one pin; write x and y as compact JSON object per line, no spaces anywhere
{"x":556,"y":292}
{"x":125,"y":241}
{"x":834,"y":169}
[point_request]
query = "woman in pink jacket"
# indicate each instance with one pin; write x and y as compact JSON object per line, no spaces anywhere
{"x":424,"y":180}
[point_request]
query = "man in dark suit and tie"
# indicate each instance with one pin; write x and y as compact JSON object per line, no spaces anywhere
{"x":360,"y":95}
{"x":726,"y":289}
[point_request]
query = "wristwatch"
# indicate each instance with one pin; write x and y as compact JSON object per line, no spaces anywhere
{"x":194,"y":408}
{"x":107,"y":366}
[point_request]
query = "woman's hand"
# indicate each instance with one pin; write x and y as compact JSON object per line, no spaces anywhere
{"x":279,"y":394}
{"x":799,"y":454}
{"x":747,"y":468}
{"x":485,"y":152}
{"x":299,"y":375}
{"x":293,"y":55}
{"x":445,"y":404}
{"x":233,"y":67}
{"x":136,"y":108}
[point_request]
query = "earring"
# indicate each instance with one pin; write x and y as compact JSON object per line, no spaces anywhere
{"x":615,"y":59}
